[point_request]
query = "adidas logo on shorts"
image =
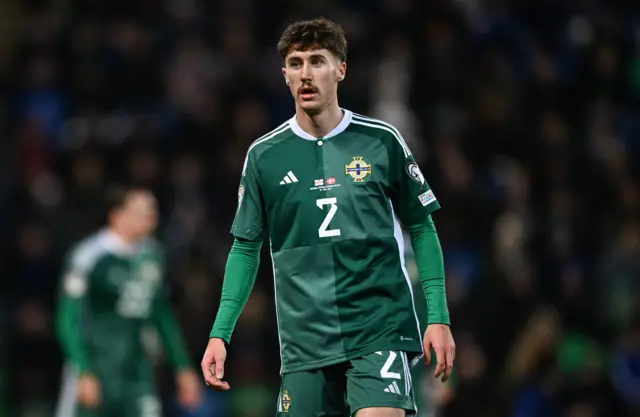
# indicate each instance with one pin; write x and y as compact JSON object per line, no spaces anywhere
{"x":393,"y":388}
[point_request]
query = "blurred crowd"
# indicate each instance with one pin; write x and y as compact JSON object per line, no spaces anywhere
{"x":523,"y":115}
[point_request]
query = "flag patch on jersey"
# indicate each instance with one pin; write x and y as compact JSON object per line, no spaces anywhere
{"x":319,"y":182}
{"x":331,"y":181}
{"x":427,"y":198}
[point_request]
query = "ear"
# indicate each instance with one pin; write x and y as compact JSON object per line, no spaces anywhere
{"x":342,"y":70}
{"x":284,"y":74}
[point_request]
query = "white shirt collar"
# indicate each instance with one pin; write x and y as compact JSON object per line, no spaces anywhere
{"x":116,"y":244}
{"x":342,"y":126}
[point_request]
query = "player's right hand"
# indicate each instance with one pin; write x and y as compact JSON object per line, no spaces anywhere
{"x":89,"y":392}
{"x":213,"y":365}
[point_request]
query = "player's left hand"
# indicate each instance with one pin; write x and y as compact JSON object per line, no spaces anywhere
{"x":189,"y":389}
{"x":438,"y":337}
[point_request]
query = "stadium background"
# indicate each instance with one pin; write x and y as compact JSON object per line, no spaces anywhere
{"x":523,"y":115}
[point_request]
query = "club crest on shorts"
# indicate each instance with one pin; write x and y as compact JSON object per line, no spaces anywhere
{"x":358,"y":169}
{"x":414,"y":172}
{"x":286,"y":401}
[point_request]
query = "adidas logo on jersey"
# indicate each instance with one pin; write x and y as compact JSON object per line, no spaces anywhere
{"x":393,"y":388}
{"x":289,"y":178}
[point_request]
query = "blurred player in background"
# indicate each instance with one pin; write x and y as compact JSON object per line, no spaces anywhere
{"x":112,"y":289}
{"x":329,"y":189}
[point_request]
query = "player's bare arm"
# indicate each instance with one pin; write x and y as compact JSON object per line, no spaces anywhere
{"x":89,"y":392}
{"x":213,"y":364}
{"x":439,"y":337}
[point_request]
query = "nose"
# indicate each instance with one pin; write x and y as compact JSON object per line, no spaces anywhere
{"x":306,"y":72}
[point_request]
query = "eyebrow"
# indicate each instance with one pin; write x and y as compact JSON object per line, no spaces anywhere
{"x":293,"y":58}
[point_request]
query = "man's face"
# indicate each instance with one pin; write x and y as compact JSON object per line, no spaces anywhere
{"x":313,"y":78}
{"x":139,"y":215}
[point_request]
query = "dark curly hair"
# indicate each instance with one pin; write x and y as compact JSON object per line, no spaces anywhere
{"x":318,"y":33}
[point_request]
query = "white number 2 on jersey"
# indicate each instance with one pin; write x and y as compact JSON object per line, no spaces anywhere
{"x":332,"y":202}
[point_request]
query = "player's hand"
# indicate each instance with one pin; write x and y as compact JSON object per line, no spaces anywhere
{"x":189,"y":389}
{"x":438,"y":337}
{"x":89,"y":392}
{"x":213,"y":364}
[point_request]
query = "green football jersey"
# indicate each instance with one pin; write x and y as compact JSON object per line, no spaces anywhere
{"x":118,"y":286}
{"x":332,"y":208}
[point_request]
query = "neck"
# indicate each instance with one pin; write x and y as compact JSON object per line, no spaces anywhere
{"x":127,"y":239}
{"x":321,"y":123}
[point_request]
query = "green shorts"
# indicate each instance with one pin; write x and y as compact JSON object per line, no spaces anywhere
{"x":119,"y":398}
{"x":140,"y":406}
{"x":380,"y":379}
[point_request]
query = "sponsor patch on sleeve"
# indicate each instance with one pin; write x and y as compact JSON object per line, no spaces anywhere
{"x":427,"y":198}
{"x":75,"y":284}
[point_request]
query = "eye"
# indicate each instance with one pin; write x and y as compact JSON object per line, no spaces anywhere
{"x":316,"y":60}
{"x":294,"y":64}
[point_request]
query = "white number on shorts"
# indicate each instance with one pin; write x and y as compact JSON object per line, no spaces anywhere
{"x":384,"y":372}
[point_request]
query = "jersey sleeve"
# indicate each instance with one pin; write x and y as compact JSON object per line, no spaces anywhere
{"x":74,"y":286}
{"x":168,"y":328}
{"x":165,"y":320}
{"x":412,"y":197}
{"x":76,"y":274}
{"x":249,"y":221}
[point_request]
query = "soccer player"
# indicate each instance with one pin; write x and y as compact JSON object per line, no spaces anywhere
{"x":329,"y":189}
{"x":112,"y":289}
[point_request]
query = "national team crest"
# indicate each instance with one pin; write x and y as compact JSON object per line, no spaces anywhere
{"x":286,"y":401}
{"x":358,"y":169}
